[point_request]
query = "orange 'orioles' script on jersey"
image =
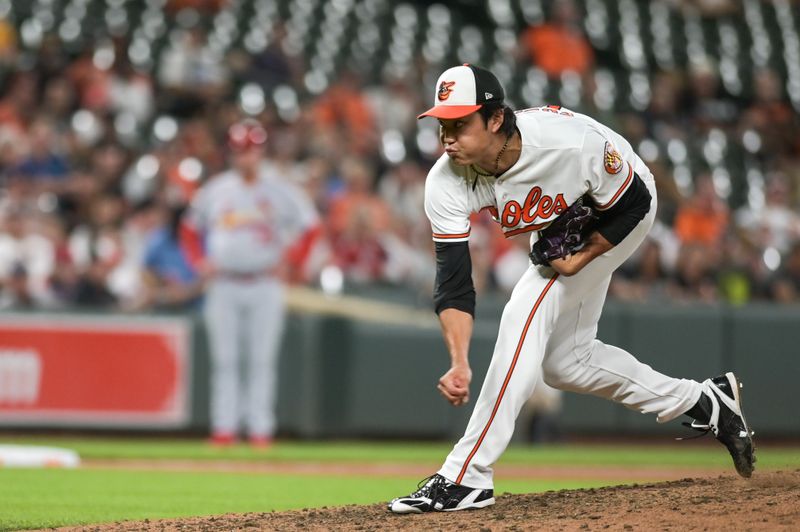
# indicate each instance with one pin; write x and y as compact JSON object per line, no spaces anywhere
{"x":536,"y":206}
{"x":564,"y":155}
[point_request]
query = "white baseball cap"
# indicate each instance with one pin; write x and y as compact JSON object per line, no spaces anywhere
{"x":463,"y":90}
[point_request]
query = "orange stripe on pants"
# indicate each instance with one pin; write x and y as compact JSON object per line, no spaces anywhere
{"x":507,"y":379}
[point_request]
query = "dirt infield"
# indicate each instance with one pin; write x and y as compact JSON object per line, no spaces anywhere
{"x":337,"y":469}
{"x":768,"y":501}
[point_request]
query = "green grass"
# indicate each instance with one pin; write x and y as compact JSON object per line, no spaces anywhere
{"x":31,"y":498}
{"x":46,"y":498}
{"x":709,"y":454}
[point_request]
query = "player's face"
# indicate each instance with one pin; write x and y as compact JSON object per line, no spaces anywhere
{"x":248,"y":159}
{"x":465,"y":139}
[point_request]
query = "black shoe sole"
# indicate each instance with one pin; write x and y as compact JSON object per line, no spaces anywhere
{"x":744,"y":467}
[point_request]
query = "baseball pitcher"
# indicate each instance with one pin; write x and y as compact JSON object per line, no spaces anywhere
{"x":587,"y":201}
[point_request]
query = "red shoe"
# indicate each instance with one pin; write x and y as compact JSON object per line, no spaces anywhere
{"x":261,"y":443}
{"x":222,"y":439}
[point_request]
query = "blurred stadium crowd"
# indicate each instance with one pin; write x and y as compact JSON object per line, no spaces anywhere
{"x":112,"y":112}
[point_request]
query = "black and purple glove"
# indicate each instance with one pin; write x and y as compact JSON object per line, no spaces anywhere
{"x":566,"y":234}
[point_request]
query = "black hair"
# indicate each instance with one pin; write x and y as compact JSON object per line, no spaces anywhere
{"x":509,"y":124}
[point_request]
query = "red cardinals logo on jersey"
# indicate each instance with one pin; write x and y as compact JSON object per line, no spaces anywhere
{"x":537,"y":206}
{"x":445,"y":88}
{"x":612,"y":160}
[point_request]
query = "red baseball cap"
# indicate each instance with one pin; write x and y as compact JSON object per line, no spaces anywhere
{"x":246,"y":134}
{"x":463,"y":90}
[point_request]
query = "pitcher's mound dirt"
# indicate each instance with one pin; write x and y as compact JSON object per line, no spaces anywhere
{"x":768,"y":501}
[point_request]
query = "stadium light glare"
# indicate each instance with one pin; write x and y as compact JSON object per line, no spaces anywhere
{"x":117,"y":21}
{"x":439,"y":15}
{"x":392,"y":146}
{"x":427,"y":141}
{"x":255,"y":41}
{"x":103,"y":57}
{"x":187,"y":18}
{"x":605,"y":92}
{"x":251,"y":99}
{"x":47,"y":202}
{"x":755,"y":189}
{"x":31,"y":32}
{"x":190,"y":169}
{"x":751,"y":141}
{"x":772,"y":258}
{"x":125,"y":125}
{"x":648,"y":149}
{"x":69,"y":30}
{"x":571,"y":89}
{"x":45,"y":18}
{"x":683,"y":179}
{"x":505,"y":40}
{"x":165,"y":128}
{"x":147,"y":166}
{"x":331,"y":280}
{"x":721,"y":179}
{"x":315,"y":82}
{"x":676,"y":150}
{"x":87,"y":127}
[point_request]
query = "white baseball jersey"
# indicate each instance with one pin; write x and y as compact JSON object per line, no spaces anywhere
{"x":547,"y":331}
{"x":248,"y":226}
{"x":564,"y":155}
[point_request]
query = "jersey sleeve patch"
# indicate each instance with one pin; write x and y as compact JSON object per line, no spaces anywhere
{"x":606,"y":167}
{"x":612,"y":160}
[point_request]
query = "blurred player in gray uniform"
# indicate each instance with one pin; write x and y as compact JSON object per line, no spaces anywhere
{"x":244,"y":220}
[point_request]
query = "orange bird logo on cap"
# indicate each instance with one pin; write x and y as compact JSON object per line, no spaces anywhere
{"x":445,"y":88}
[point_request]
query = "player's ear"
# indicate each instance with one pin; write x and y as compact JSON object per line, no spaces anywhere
{"x":496,"y":121}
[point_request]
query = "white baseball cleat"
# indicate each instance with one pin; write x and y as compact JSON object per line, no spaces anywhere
{"x":437,"y":494}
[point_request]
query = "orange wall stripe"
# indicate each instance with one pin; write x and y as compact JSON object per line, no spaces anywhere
{"x":507,"y":380}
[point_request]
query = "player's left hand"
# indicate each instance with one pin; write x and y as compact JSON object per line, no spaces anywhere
{"x":566,"y":235}
{"x":454,"y":385}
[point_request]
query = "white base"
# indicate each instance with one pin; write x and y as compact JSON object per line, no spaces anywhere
{"x":35,"y":456}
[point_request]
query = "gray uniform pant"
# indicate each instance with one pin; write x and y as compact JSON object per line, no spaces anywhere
{"x":244,"y":317}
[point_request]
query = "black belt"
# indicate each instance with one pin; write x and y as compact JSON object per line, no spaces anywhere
{"x":247,"y":277}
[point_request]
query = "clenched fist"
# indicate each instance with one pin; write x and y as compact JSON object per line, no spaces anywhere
{"x":454,"y":385}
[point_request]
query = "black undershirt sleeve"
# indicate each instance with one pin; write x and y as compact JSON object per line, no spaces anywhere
{"x":454,"y":288}
{"x":617,"y":222}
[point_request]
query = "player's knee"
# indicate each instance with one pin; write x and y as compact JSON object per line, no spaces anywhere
{"x":554,"y":378}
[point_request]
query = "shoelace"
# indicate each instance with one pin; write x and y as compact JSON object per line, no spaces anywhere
{"x":430,"y":487}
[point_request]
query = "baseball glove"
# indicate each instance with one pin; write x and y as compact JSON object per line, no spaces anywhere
{"x":566,"y":234}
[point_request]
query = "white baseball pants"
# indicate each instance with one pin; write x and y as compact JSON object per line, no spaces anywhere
{"x":549,"y":326}
{"x":244,"y":319}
